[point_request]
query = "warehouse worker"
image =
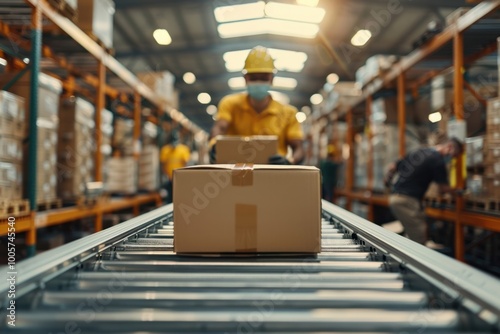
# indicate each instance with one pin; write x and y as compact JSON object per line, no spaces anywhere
{"x":414,"y":174}
{"x":329,"y":170}
{"x":172,"y":156}
{"x":256,"y":113}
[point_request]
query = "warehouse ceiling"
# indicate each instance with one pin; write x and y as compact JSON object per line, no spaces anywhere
{"x":197,"y":47}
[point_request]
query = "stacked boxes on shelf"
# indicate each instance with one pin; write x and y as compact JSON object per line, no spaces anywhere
{"x":12,"y":132}
{"x":492,"y":150}
{"x":149,"y":168}
{"x":75,"y":147}
{"x":95,"y":17}
{"x":123,"y":136}
{"x":107,"y":134}
{"x":375,"y":66}
{"x":49,"y":90}
{"x":384,"y":137}
{"x":121,"y":176}
{"x":162,"y":84}
{"x":149,"y":160}
{"x":361,"y":161}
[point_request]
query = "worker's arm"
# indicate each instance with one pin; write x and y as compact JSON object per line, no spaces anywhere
{"x":297,"y":146}
{"x":390,"y":174}
{"x":220,"y":128}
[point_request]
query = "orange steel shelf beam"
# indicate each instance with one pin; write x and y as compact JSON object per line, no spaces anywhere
{"x":23,"y":224}
{"x":60,"y":216}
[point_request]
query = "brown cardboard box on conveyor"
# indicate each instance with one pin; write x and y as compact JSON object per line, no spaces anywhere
{"x":247,"y":208}
{"x":251,"y":149}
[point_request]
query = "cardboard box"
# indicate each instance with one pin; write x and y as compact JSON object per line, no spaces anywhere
{"x":12,"y":106}
{"x":247,"y":208}
{"x":95,"y":17}
{"x":253,"y":149}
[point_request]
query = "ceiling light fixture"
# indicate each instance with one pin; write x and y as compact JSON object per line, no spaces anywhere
{"x":204,"y":98}
{"x":332,"y":78}
{"x":189,"y":78}
{"x":435,"y":117}
{"x":316,"y":99}
{"x":284,"y":83}
{"x":284,"y":60}
{"x":211,"y":110}
{"x":3,"y":62}
{"x":361,"y":37}
{"x":162,"y":37}
{"x":294,"y":13}
{"x":26,"y":60}
{"x":240,"y":12}
{"x":280,"y":97}
{"x":278,"y":83}
{"x":310,"y":3}
{"x":268,"y":26}
{"x":236,"y":83}
{"x":300,"y":116}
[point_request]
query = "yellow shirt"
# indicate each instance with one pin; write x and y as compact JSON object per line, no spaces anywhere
{"x":173,"y":158}
{"x":277,"y":119}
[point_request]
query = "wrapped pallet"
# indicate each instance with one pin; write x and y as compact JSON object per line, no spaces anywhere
{"x":76,"y":148}
{"x":121,"y":175}
{"x":149,"y":168}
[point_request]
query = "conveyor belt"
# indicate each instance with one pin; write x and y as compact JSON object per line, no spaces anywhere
{"x":127,"y":279}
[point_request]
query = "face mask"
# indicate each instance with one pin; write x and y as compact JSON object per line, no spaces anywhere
{"x":258,"y":90}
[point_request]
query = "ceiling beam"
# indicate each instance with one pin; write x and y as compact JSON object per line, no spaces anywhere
{"x":134,"y":4}
{"x":304,"y":46}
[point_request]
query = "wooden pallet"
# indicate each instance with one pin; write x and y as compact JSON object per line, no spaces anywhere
{"x":483,"y":204}
{"x":14,"y":208}
{"x":48,"y":204}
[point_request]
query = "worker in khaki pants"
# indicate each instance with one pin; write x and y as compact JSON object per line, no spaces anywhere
{"x":255,"y":112}
{"x":414,"y":174}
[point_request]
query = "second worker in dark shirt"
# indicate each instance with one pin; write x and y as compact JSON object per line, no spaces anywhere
{"x":409,"y":179}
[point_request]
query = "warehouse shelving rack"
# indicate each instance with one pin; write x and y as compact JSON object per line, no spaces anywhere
{"x":454,"y":33}
{"x":105,"y":62}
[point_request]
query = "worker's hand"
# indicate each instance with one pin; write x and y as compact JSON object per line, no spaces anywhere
{"x":278,"y":160}
{"x":211,"y":155}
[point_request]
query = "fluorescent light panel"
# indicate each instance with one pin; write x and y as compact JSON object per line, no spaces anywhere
{"x":268,"y":26}
{"x":278,"y":83}
{"x":284,"y":60}
{"x":300,"y":116}
{"x":240,"y":12}
{"x":294,"y":13}
{"x":204,"y":98}
{"x":435,"y":117}
{"x":361,"y":37}
{"x":280,"y":97}
{"x":310,"y":3}
{"x":316,"y":99}
{"x":162,"y":37}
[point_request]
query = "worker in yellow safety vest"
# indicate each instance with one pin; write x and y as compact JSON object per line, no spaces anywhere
{"x":173,"y":156}
{"x":255,"y":112}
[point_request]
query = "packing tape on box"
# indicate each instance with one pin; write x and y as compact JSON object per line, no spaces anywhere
{"x":245,"y":228}
{"x":242,"y":174}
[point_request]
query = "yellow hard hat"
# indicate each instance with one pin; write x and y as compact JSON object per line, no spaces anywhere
{"x":259,"y":61}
